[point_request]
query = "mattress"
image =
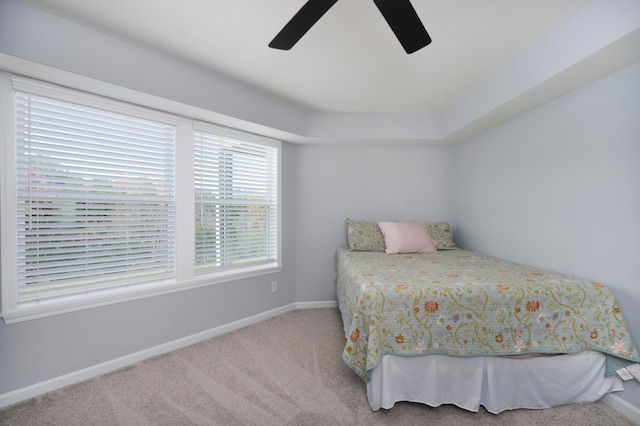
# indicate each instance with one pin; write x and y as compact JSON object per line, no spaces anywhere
{"x":466,"y":304}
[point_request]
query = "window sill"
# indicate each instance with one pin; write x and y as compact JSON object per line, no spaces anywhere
{"x":71,"y":303}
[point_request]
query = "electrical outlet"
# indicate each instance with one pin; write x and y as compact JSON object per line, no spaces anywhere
{"x":274,"y":286}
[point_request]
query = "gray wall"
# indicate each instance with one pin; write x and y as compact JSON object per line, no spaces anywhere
{"x":559,"y":188}
{"x":362,"y":183}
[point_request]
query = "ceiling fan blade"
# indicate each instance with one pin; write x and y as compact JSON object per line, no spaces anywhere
{"x":301,"y":22}
{"x":405,"y":23}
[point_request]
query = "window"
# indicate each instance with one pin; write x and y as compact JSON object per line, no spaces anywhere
{"x":95,"y":197}
{"x":99,"y":206}
{"x":236,"y":204}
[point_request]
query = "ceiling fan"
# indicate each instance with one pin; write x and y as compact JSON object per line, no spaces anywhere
{"x":399,"y":14}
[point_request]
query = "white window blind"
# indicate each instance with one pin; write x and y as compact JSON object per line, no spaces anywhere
{"x":95,"y":197}
{"x":236,"y":200}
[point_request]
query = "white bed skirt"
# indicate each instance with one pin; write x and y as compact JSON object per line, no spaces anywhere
{"x":497,"y":383}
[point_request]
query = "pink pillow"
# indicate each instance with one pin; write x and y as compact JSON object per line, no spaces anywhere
{"x":407,"y":237}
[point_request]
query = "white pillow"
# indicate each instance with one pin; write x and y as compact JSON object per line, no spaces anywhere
{"x":407,"y":237}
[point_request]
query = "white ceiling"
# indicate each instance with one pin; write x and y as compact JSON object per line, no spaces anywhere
{"x":350,"y":61}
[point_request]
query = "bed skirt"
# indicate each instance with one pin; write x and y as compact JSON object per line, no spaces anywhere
{"x":497,"y":383}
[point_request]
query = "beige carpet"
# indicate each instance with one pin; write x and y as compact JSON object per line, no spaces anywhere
{"x":287,"y":370}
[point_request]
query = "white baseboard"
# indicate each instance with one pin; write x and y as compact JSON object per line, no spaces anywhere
{"x":314,"y":305}
{"x":623,"y":407}
{"x":115,"y":364}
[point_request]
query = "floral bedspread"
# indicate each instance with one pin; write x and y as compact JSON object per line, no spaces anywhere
{"x":459,"y":302}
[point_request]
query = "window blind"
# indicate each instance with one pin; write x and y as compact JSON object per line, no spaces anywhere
{"x":236,"y":190}
{"x":95,"y":197}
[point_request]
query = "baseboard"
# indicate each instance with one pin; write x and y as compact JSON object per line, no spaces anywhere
{"x":315,"y":305}
{"x":623,"y":407}
{"x":118,"y":363}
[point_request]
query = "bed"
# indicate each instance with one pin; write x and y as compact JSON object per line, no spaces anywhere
{"x":451,"y":326}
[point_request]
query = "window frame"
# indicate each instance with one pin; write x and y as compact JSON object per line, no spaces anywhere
{"x":185,"y":279}
{"x":97,"y":183}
